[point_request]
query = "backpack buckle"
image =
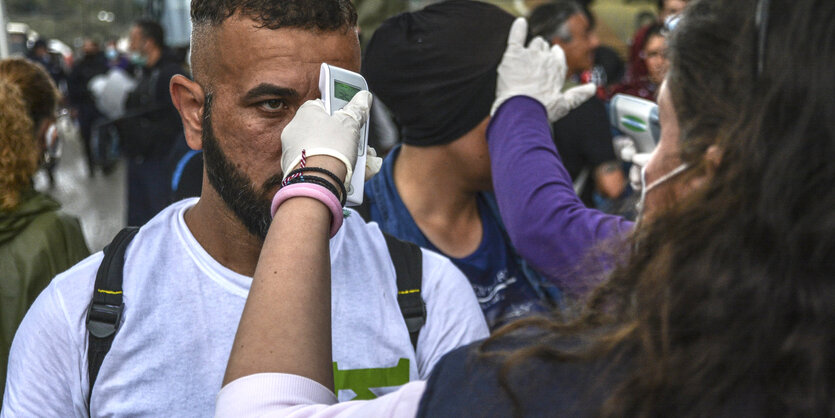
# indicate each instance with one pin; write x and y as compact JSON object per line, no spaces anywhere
{"x":103,"y":319}
{"x":415,"y":317}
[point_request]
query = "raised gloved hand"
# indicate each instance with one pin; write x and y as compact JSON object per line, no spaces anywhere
{"x":538,"y":72}
{"x":318,"y":133}
{"x":373,"y":163}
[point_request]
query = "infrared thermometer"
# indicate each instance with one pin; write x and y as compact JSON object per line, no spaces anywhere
{"x":638,"y":119}
{"x":338,"y":86}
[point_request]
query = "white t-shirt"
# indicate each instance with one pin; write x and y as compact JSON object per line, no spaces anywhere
{"x":182,"y":309}
{"x":281,"y":395}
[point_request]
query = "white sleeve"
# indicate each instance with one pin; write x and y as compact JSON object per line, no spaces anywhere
{"x":283,"y":395}
{"x":453,"y":315}
{"x":44,"y":376}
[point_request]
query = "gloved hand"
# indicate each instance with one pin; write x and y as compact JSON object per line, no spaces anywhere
{"x":373,"y":163}
{"x":537,"y":72}
{"x":318,"y":133}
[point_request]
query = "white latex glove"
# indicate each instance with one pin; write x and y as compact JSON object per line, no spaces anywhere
{"x":318,"y":133}
{"x":373,"y":163}
{"x":538,"y":72}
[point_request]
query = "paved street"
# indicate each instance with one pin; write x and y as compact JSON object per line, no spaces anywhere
{"x":99,"y":202}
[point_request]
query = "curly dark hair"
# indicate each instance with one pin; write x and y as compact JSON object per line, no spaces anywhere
{"x":325,"y":15}
{"x":725,"y":304}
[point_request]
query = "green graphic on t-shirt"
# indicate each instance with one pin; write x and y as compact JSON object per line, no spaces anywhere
{"x":361,"y":380}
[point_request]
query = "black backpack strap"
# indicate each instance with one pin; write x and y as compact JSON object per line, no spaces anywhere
{"x":105,"y":311}
{"x":408,"y":266}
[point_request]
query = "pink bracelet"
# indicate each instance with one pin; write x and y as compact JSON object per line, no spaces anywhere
{"x":314,"y":191}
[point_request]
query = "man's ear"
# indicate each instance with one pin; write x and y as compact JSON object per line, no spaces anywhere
{"x":189,"y":99}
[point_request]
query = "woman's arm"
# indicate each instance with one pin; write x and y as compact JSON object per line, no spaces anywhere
{"x":281,"y":359}
{"x":546,"y":221}
{"x":286,"y":323}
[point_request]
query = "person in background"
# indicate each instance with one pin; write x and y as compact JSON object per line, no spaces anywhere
{"x":114,"y":57}
{"x":722,"y":308}
{"x":608,"y":68}
{"x":436,"y":70}
{"x":636,"y":66}
{"x":92,"y":63}
{"x":653,"y":57}
{"x":583,"y":137}
{"x":40,"y":53}
{"x":187,"y":271}
{"x":151,"y":123}
{"x":37,"y":240}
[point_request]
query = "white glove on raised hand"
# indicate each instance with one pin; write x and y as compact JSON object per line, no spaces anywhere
{"x":318,"y":133}
{"x":373,"y":163}
{"x":538,"y":72}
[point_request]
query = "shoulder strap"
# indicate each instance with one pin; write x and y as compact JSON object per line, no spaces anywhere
{"x":105,"y":311}
{"x":408,"y":266}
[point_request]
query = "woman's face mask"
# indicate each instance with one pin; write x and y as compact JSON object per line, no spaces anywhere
{"x":646,"y":188}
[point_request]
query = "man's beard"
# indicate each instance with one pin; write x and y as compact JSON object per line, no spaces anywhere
{"x":250,"y":206}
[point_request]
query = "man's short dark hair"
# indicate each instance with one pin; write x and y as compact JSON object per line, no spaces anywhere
{"x":549,"y":20}
{"x":314,"y":15}
{"x":151,"y":30}
{"x":325,"y":15}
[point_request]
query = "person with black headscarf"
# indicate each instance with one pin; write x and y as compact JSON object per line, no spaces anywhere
{"x":436,"y":70}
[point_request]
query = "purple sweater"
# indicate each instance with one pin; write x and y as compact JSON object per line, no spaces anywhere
{"x":547,"y":223}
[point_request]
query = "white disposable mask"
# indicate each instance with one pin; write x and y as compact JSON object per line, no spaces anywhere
{"x":646,"y":188}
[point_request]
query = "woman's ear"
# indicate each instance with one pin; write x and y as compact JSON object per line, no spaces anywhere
{"x":188,"y":97}
{"x":710,"y":161}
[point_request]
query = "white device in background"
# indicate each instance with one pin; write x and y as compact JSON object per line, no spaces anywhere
{"x":338,"y":86}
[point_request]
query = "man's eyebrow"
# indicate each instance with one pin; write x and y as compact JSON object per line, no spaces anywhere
{"x":266,"y":89}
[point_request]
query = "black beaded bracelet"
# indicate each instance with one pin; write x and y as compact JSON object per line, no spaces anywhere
{"x":333,"y":177}
{"x":320,"y":181}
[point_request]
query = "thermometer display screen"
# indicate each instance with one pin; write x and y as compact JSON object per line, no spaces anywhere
{"x":344,"y":91}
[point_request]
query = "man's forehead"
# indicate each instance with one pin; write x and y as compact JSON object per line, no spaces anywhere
{"x":241,"y":47}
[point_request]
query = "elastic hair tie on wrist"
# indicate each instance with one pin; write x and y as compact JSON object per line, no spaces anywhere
{"x":339,"y":183}
{"x":315,"y":191}
{"x":320,"y":181}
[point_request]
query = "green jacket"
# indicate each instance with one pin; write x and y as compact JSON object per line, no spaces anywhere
{"x":37,"y":241}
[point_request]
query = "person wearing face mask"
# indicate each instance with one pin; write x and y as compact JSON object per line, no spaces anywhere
{"x":540,"y":205}
{"x":115,"y":58}
{"x":151,"y":123}
{"x":37,"y":240}
{"x":722,"y":310}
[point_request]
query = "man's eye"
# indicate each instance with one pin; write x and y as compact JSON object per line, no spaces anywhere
{"x":273,"y":104}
